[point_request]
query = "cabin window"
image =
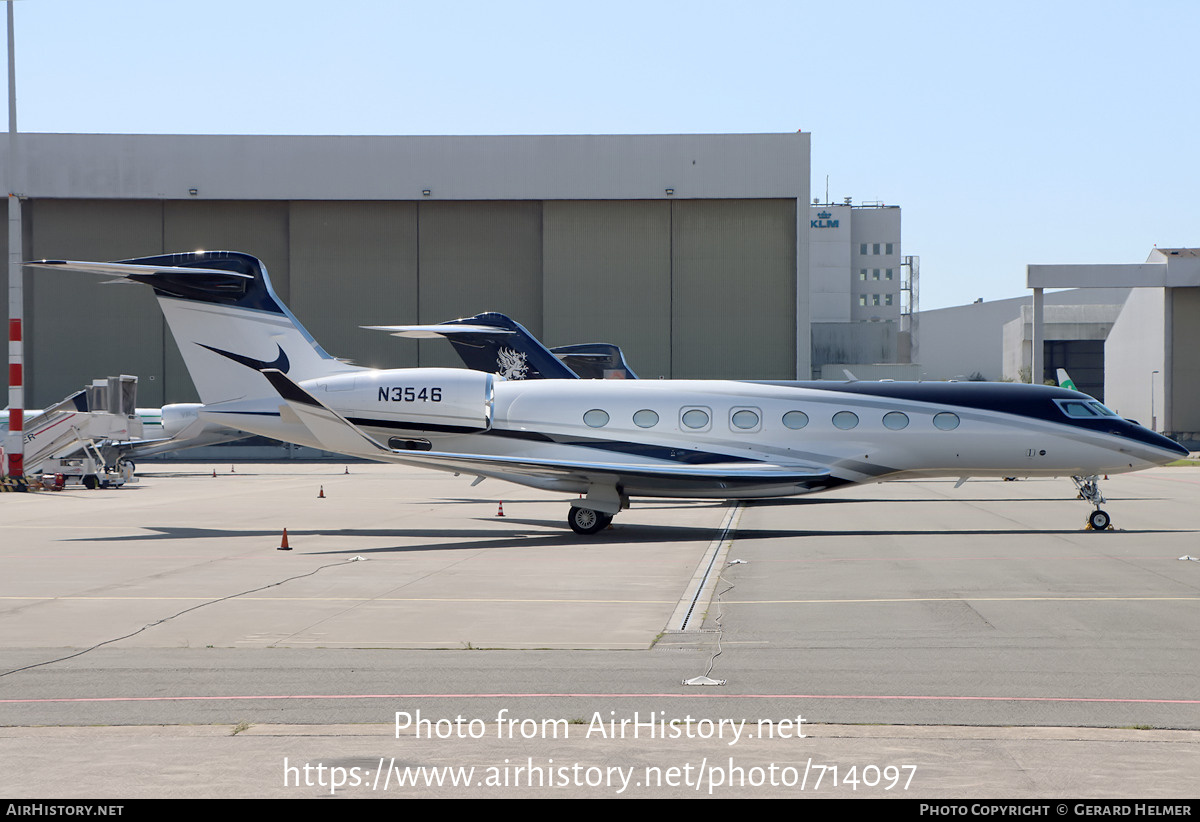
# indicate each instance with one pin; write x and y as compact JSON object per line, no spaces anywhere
{"x":645,"y":418}
{"x":795,"y":420}
{"x":946,"y":421}
{"x":695,"y":418}
{"x":596,"y":418}
{"x":895,"y":420}
{"x":744,"y":419}
{"x":845,"y":420}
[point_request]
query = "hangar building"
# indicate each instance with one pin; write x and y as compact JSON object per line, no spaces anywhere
{"x":689,"y":251}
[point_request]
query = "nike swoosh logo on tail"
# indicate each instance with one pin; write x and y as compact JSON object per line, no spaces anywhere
{"x":280,"y":362}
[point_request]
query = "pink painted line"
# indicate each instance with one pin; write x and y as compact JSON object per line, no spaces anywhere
{"x":1168,"y":479}
{"x":613,"y":696}
{"x":933,"y":558}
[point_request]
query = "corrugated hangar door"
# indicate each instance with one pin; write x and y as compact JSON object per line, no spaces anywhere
{"x":478,"y":256}
{"x":76,"y":328}
{"x":1185,"y":360}
{"x":608,"y":278}
{"x":734,"y":289}
{"x":355,"y":264}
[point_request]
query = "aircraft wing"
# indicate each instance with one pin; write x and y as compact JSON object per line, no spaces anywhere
{"x":335,"y":433}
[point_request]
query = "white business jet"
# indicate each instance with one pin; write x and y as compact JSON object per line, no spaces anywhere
{"x":258,"y":370}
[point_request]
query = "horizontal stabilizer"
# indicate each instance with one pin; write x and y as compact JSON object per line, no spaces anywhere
{"x":493,"y":343}
{"x":430,"y":332}
{"x":133,"y":271}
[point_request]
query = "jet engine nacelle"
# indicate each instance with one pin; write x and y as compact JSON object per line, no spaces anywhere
{"x":178,"y":416}
{"x":435,"y":399}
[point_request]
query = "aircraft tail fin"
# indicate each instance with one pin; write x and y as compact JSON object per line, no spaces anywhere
{"x":493,"y":343}
{"x":226,"y":318}
{"x":595,"y":361}
{"x":1064,"y":379}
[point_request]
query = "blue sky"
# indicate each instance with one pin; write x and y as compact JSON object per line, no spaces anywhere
{"x":1009,"y":133}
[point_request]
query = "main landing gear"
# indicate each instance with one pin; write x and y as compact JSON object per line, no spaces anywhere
{"x":587,"y":521}
{"x":1089,"y":490}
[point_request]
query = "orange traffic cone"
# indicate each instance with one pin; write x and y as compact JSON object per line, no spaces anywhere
{"x":322,"y":494}
{"x":214,"y":473}
{"x":347,"y":471}
{"x":283,"y":546}
{"x":500,"y":512}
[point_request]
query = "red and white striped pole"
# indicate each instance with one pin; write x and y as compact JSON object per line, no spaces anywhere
{"x":16,"y":400}
{"x":16,"y":279}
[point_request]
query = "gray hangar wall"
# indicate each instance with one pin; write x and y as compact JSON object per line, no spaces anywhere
{"x":689,"y":288}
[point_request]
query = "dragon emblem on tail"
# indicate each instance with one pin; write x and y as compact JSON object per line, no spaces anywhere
{"x":511,"y":364}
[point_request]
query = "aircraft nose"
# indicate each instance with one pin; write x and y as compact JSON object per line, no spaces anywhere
{"x":1162,"y":442}
{"x":1174,"y":447}
{"x":1170,"y":449}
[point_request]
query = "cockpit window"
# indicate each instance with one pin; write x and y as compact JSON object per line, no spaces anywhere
{"x":1084,"y":409}
{"x":1077,"y":409}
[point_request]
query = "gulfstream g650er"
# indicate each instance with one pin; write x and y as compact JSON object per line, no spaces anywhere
{"x":258,"y":370}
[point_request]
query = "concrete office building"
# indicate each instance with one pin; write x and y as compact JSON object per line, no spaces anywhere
{"x":993,"y":339}
{"x":862,"y":287}
{"x":689,"y":251}
{"x":1128,"y":334}
{"x":1152,"y":353}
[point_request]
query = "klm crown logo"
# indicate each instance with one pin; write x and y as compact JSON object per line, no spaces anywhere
{"x":823,"y":220}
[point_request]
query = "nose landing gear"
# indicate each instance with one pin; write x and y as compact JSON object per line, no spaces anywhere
{"x":1089,"y":490}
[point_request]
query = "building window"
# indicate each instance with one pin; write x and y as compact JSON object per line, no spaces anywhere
{"x":887,"y":299}
{"x":891,"y":273}
{"x":875,"y":249}
{"x":874,"y":299}
{"x":874,"y":273}
{"x":862,"y":299}
{"x":862,"y":273}
{"x":889,"y":249}
{"x":862,"y":249}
